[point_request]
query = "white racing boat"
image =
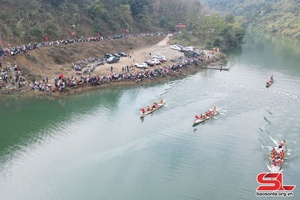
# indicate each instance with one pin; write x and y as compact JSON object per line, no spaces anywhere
{"x":276,"y":160}
{"x":151,"y":109}
{"x":201,"y":120}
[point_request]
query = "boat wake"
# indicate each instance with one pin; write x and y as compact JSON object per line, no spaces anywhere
{"x":271,"y":135}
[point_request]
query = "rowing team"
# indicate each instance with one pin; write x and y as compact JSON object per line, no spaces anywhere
{"x":277,"y":154}
{"x":153,"y":107}
{"x":209,"y":113}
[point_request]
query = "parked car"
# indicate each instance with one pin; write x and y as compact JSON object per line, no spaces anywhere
{"x":112,"y":59}
{"x":190,"y":48}
{"x":160,"y":57}
{"x":179,"y":45}
{"x":190,"y":54}
{"x":175,"y":47}
{"x":107,"y":55}
{"x":122,"y":54}
{"x":141,"y":65}
{"x":153,"y":62}
{"x":116,"y":55}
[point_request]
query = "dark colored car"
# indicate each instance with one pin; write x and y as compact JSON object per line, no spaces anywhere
{"x":191,"y":54}
{"x":112,"y":59}
{"x":107,"y":55}
{"x":122,"y":54}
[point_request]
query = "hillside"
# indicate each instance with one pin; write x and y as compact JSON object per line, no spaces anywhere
{"x":281,"y":17}
{"x":24,"y":21}
{"x":51,"y":61}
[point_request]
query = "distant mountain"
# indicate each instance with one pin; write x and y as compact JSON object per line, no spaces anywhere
{"x":281,"y":17}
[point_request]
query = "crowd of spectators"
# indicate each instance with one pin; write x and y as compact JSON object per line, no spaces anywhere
{"x":15,"y":50}
{"x":12,"y":76}
{"x":128,"y":74}
{"x":62,"y":82}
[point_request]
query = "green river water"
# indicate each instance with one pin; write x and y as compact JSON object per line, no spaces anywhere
{"x":94,"y":146}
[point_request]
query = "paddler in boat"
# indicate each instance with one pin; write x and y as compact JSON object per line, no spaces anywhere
{"x":207,"y":113}
{"x":210,"y":113}
{"x":143,"y":110}
{"x":161,"y":101}
{"x":202,"y":116}
{"x":281,"y":154}
{"x":154,"y":106}
{"x":213,"y":112}
{"x":279,"y":161}
{"x":281,"y":144}
{"x":148,"y":108}
{"x":274,"y":162}
{"x":273,"y":153}
{"x":197,"y":117}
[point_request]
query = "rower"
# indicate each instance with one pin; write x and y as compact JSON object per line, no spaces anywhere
{"x":143,"y":110}
{"x":161,"y":101}
{"x":281,"y":144}
{"x":197,"y":117}
{"x":148,"y":108}
{"x":281,"y":154}
{"x":273,"y":153}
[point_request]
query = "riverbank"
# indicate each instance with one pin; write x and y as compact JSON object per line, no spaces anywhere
{"x":105,"y":74}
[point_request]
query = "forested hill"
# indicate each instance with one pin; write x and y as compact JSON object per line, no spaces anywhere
{"x":281,"y":17}
{"x":32,"y":20}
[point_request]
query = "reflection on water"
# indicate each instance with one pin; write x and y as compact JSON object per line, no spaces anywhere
{"x":91,"y":145}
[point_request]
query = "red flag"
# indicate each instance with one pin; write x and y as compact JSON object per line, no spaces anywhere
{"x":47,"y":38}
{"x":98,"y":34}
{"x":73,"y":33}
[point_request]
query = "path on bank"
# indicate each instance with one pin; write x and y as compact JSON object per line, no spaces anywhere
{"x":141,"y":55}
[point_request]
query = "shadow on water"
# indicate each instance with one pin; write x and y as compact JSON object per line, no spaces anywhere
{"x":29,"y":116}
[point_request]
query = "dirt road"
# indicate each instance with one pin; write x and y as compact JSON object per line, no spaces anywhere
{"x":140,"y":55}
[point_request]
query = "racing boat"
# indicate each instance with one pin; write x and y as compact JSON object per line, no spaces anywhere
{"x":201,"y":120}
{"x":219,"y":68}
{"x":277,"y":157}
{"x":151,"y":110}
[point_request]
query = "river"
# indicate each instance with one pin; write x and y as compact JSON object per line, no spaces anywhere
{"x":94,"y":145}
